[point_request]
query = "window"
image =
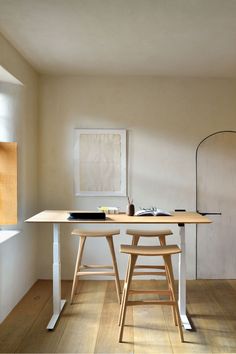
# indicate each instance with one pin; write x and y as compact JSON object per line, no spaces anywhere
{"x":8,"y":183}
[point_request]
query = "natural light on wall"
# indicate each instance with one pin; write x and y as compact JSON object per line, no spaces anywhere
{"x":6,"y":121}
{"x":5,"y":76}
{"x":5,"y":134}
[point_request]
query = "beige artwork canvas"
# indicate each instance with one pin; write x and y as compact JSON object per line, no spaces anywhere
{"x":100,"y":162}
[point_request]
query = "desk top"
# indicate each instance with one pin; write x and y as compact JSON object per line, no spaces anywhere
{"x":61,"y":216}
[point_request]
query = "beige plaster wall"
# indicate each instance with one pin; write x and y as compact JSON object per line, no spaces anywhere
{"x":165,"y":119}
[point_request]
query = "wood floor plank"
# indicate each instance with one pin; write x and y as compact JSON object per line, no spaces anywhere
{"x":232,"y":283}
{"x":223,"y":296}
{"x":39,"y":339}
{"x":107,"y":338}
{"x":195,"y":341}
{"x":20,"y":320}
{"x":150,"y":331}
{"x":90,"y":325}
{"x":80,"y":333}
{"x":213,"y":333}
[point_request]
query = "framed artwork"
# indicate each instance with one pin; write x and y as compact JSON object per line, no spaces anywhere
{"x":100,"y":162}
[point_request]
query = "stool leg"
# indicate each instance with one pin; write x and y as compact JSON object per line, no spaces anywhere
{"x":135,"y":240}
{"x":115,"y":268}
{"x":77,"y":265}
{"x":133,"y":259}
{"x":173,"y":282}
{"x":169,"y":266}
{"x":123,"y":292}
{"x":163,"y":243}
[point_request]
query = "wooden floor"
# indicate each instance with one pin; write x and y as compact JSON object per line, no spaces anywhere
{"x":90,"y":325}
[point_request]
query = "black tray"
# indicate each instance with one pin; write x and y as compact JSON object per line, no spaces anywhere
{"x":87,"y":215}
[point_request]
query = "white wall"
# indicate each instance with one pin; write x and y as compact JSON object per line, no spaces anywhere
{"x":19,"y":122}
{"x":165,"y":119}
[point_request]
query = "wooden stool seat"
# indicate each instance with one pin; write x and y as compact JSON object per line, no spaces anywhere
{"x":150,"y":250}
{"x":95,"y":233}
{"x":149,"y":233}
{"x":93,"y":269}
{"x":164,"y":251}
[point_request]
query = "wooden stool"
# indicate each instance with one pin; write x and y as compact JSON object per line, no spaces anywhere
{"x":80,"y":269}
{"x":163,"y":251}
{"x":160,"y":270}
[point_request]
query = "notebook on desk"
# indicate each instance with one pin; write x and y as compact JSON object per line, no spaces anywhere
{"x":86,"y":215}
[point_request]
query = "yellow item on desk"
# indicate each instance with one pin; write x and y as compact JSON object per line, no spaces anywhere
{"x":109,"y":210}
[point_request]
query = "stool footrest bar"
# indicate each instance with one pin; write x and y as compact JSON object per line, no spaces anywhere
{"x":95,"y":266}
{"x":94,"y":273}
{"x":159,"y":292}
{"x":150,"y":273}
{"x":150,"y":302}
{"x":140,"y":266}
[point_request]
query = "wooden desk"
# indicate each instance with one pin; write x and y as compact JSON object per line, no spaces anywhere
{"x":56,"y":217}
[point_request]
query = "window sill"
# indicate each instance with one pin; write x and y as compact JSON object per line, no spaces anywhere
{"x":7,"y":234}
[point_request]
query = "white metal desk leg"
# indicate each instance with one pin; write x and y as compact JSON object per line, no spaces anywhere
{"x":57,"y":302}
{"x":182,"y":279}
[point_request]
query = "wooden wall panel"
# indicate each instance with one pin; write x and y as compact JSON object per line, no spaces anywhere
{"x":8,"y":183}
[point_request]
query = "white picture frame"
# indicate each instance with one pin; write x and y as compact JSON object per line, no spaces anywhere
{"x":100,"y":162}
